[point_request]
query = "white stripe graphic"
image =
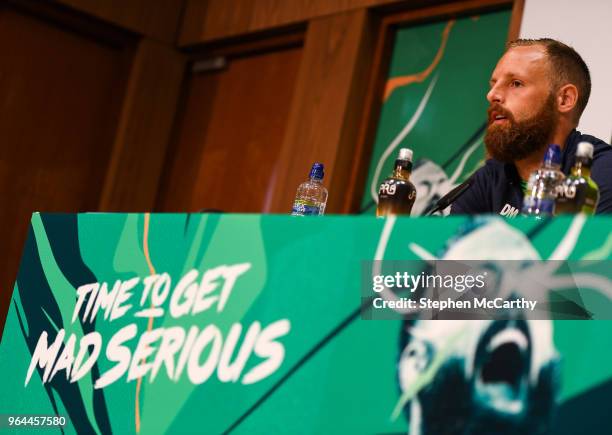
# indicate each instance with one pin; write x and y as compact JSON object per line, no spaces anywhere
{"x":463,"y":161}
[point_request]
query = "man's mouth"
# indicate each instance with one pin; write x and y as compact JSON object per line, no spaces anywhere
{"x":497,"y":118}
{"x":502,"y":372}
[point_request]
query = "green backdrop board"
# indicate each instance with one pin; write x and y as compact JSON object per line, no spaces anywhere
{"x":250,"y":324}
{"x":434,"y":103}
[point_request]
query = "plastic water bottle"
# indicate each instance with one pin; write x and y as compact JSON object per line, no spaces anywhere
{"x":544,"y":185}
{"x":311,"y":196}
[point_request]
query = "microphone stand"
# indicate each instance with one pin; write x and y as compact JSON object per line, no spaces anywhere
{"x":451,"y":197}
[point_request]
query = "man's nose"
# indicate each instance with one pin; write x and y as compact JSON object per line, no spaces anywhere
{"x":495,"y":95}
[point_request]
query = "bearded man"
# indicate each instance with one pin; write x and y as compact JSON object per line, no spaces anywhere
{"x":539,"y":90}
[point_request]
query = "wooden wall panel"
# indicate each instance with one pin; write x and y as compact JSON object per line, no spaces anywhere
{"x":324,"y":119}
{"x":230,"y":133}
{"x":139,"y":149}
{"x":514,"y":30}
{"x":158,"y":19}
{"x":59,"y":104}
{"x":217,"y":19}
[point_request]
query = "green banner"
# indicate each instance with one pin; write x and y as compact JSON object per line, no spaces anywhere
{"x":177,"y":323}
{"x":434,"y":103}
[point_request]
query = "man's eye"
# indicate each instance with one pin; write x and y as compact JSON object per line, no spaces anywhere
{"x":515,"y":84}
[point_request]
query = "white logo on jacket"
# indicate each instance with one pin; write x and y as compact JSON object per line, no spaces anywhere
{"x":509,"y":211}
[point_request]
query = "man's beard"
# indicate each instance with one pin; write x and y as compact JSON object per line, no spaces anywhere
{"x":518,"y":140}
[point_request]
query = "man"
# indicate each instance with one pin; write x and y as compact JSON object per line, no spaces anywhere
{"x":539,"y":90}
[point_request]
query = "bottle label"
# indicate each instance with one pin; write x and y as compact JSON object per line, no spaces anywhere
{"x":534,"y":205}
{"x":395,"y":197}
{"x":578,"y":197}
{"x":546,"y":206}
{"x":303,"y":208}
{"x":566,"y":191}
{"x":387,"y":189}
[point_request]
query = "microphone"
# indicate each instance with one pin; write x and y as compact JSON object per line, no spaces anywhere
{"x":451,"y":196}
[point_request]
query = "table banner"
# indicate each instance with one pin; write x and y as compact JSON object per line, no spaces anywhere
{"x":196,"y":323}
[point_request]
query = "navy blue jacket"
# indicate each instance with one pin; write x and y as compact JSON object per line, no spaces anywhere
{"x":497,"y":186}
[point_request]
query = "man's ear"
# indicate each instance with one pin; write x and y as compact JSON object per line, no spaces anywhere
{"x":567,"y":98}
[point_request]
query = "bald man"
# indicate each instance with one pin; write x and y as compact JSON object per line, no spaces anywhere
{"x":539,"y":90}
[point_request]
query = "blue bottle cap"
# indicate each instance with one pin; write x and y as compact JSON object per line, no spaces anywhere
{"x":317,"y":171}
{"x":553,"y":154}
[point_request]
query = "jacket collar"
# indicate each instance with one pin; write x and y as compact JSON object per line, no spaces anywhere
{"x":569,"y":151}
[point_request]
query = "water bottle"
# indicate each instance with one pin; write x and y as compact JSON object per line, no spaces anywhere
{"x":311,"y":196}
{"x":544,"y":184}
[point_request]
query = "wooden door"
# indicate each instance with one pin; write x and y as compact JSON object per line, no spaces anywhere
{"x":229,"y":134}
{"x":59,"y":100}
